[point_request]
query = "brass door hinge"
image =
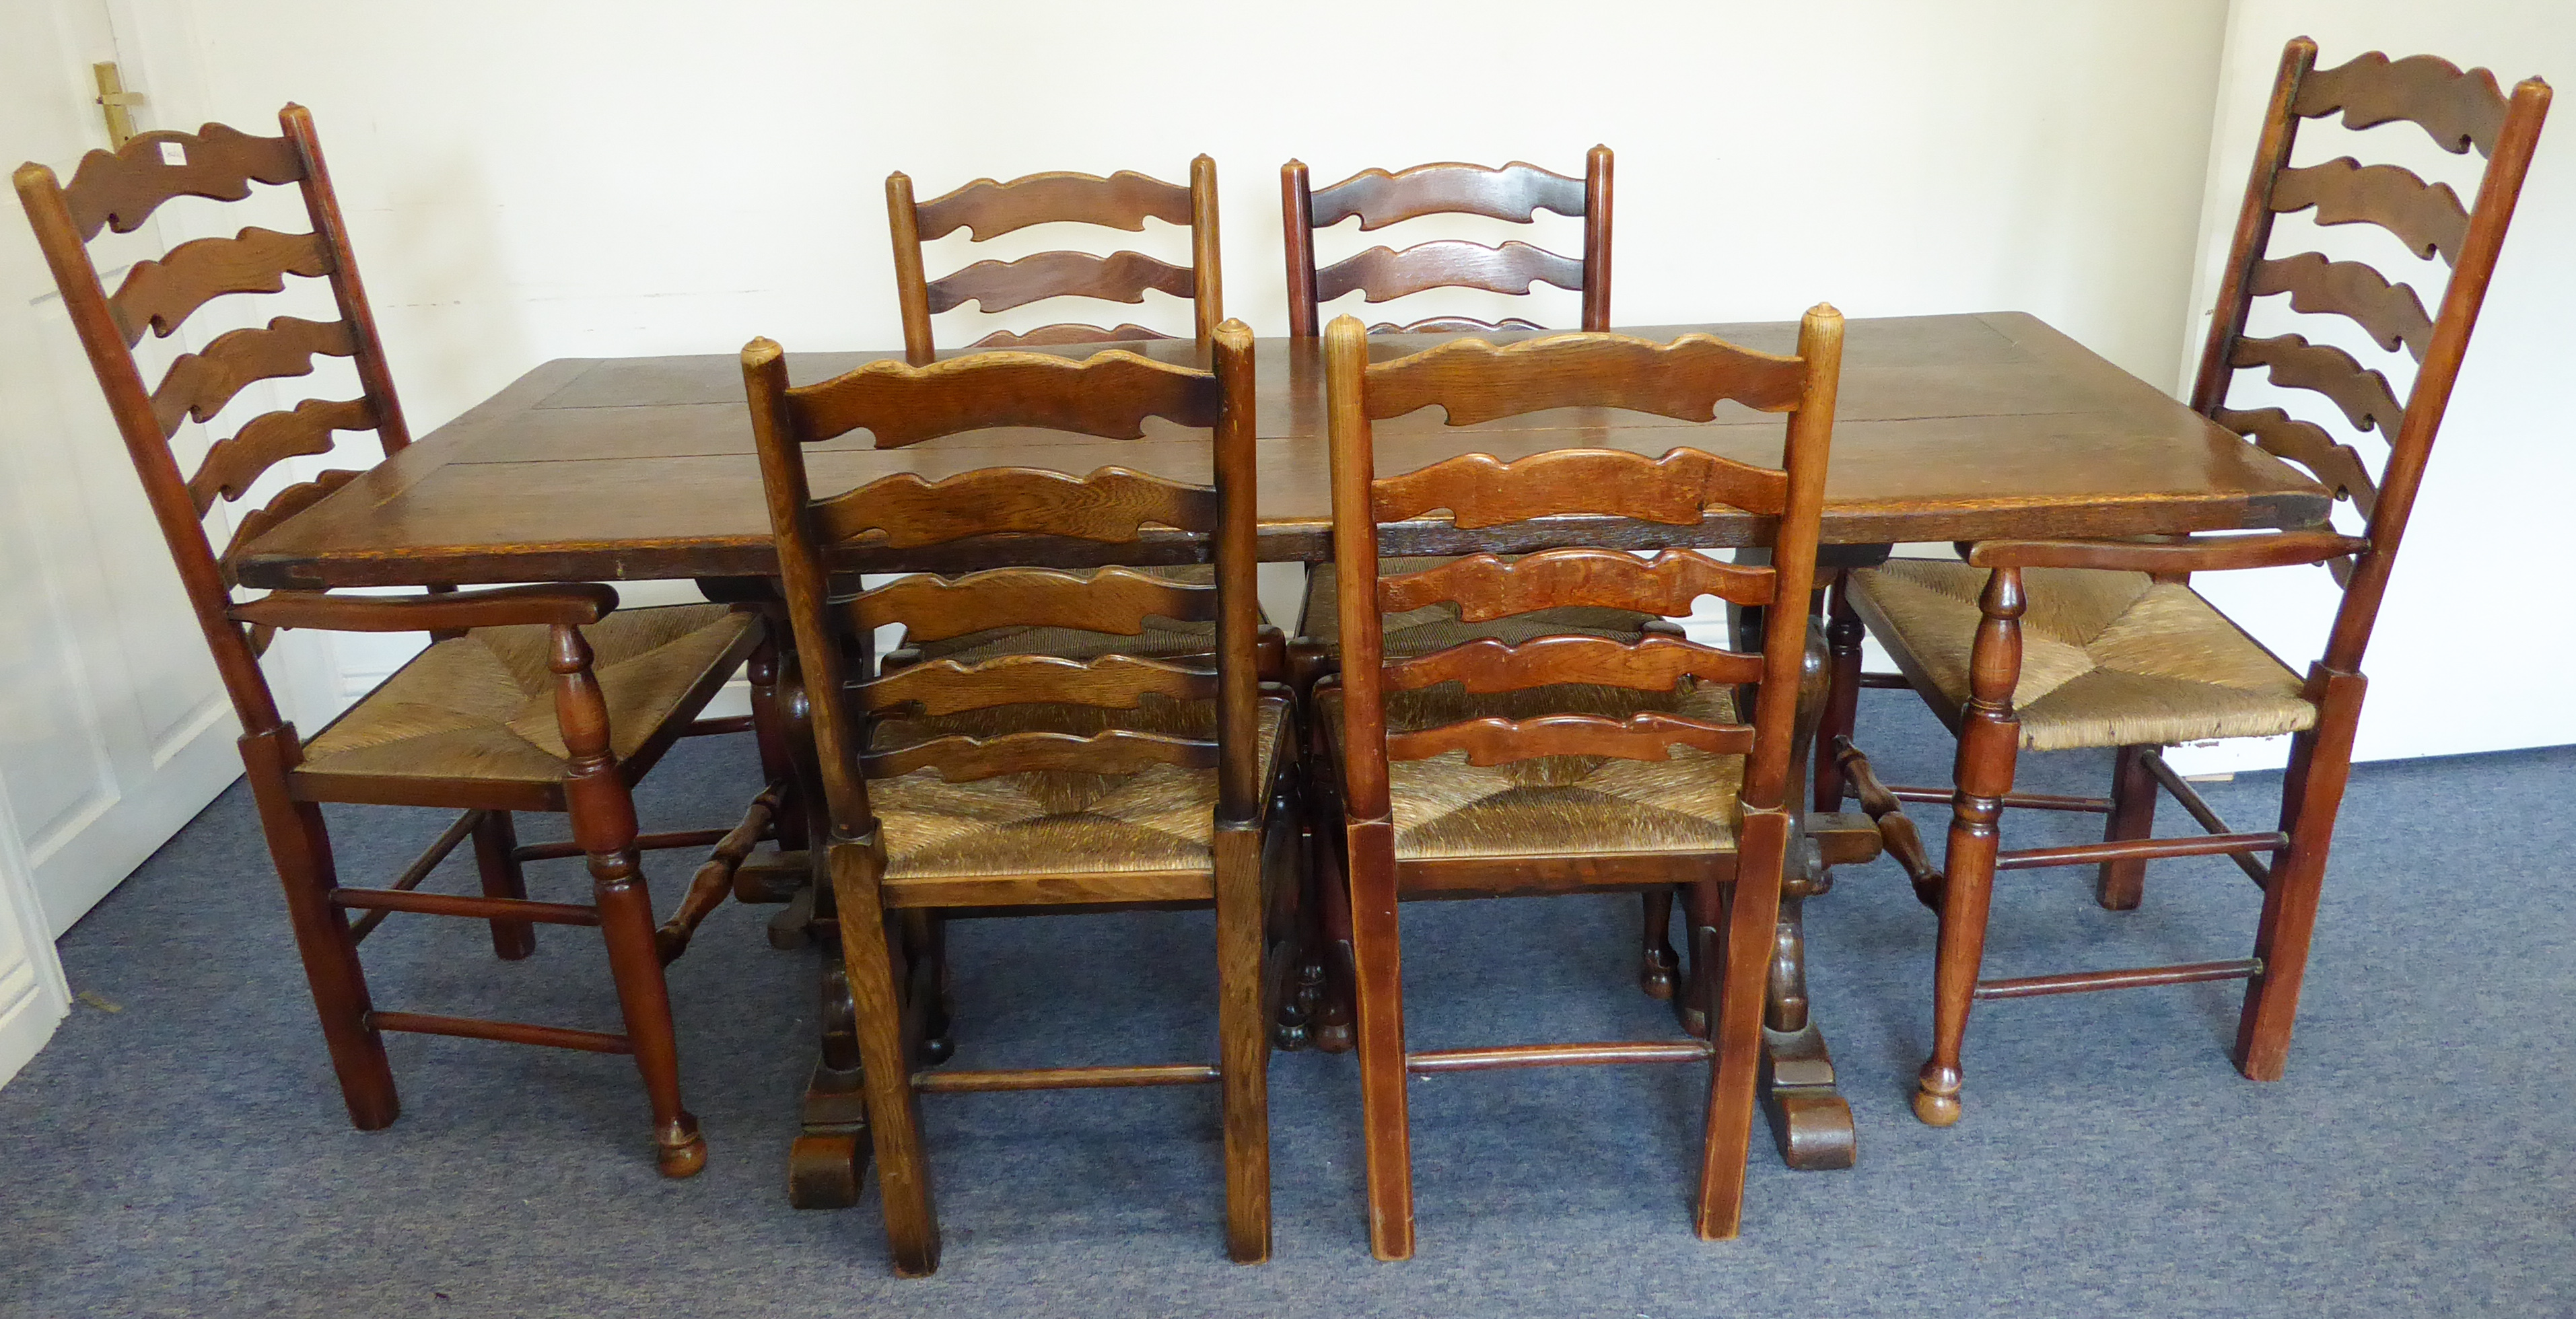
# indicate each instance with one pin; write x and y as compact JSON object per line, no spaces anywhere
{"x":116,"y":103}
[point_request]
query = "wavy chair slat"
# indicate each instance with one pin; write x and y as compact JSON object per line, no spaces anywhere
{"x":2458,"y":110}
{"x":1685,"y":379}
{"x":961,"y":759}
{"x":1517,"y":191}
{"x":2363,"y":395}
{"x":231,"y":465}
{"x":2390,"y":313}
{"x":1381,"y":274}
{"x":290,"y":501}
{"x":1486,"y":665}
{"x":1118,"y":277}
{"x":2335,"y":465}
{"x":1108,"y":395}
{"x":1453,"y":325}
{"x":1065,"y":332}
{"x":1498,"y":741}
{"x":119,"y":190}
{"x":200,"y":384}
{"x":1112,"y":504}
{"x":987,"y":209}
{"x":2427,"y":217}
{"x":1116,"y":600}
{"x":158,"y":295}
{"x":1677,"y":489}
{"x":939,"y":687}
{"x":1487,"y":586}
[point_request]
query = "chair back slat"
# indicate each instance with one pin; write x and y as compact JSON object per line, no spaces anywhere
{"x":1497,"y":741}
{"x":1002,"y":285}
{"x":1514,"y":193}
{"x":1471,"y":381}
{"x":1476,"y":381}
{"x":940,"y":687}
{"x":2457,"y":109}
{"x":2391,"y":314}
{"x":993,"y":513}
{"x":987,"y":210}
{"x":158,"y":295}
{"x":264,"y":441}
{"x":119,"y":191}
{"x":1486,"y":665}
{"x":1108,"y":395}
{"x":1486,"y":586}
{"x":1110,"y":505}
{"x":1110,"y":751}
{"x":1677,"y":489}
{"x":1383,"y":273}
{"x":198,"y":385}
{"x":2460,"y":111}
{"x":2427,"y":217}
{"x":1113,"y":600}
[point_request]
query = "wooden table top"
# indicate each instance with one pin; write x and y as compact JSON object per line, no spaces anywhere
{"x":1960,"y":427}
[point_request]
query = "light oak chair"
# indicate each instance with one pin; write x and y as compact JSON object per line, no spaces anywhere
{"x":1029,"y":782}
{"x":531,"y":698}
{"x":2034,"y":645}
{"x":1570,"y":762}
{"x":988,"y":210}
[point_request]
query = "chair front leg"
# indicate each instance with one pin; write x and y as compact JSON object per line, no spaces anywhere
{"x":1989,"y":739}
{"x":1376,"y":957}
{"x":1656,"y":961}
{"x":2320,"y":762}
{"x":603,"y":823}
{"x":2122,"y":883}
{"x":1243,"y":1031}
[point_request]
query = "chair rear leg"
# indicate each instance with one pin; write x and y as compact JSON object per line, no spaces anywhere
{"x":301,"y":849}
{"x":1376,"y":957}
{"x":1243,"y":1032}
{"x":868,"y":947}
{"x":2312,"y":792}
{"x":2122,"y":884}
{"x":1656,"y":960}
{"x":496,"y":844}
{"x":1740,"y":974}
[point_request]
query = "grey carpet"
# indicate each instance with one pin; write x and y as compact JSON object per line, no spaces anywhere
{"x":188,"y":1155}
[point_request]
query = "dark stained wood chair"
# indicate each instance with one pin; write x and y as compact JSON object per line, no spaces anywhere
{"x":1025,"y":782}
{"x":1569,"y":762}
{"x":1517,"y":192}
{"x":531,"y":698}
{"x":2039,"y":645}
{"x":987,"y":210}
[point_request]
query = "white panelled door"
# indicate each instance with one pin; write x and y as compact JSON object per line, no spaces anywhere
{"x":114,"y":729}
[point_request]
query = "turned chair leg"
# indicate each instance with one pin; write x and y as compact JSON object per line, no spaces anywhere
{"x":2312,"y":791}
{"x":925,"y":936}
{"x":301,"y":848}
{"x":1376,"y":957}
{"x":1989,"y":739}
{"x":644,"y":997}
{"x":868,"y":949}
{"x":2122,"y":883}
{"x":1656,"y":961}
{"x":1840,"y":711}
{"x":496,"y":845}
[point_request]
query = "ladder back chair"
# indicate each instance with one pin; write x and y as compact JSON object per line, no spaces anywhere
{"x":531,"y":698}
{"x":988,"y":210}
{"x":1031,"y":782}
{"x":1570,"y":762}
{"x":2045,"y":645}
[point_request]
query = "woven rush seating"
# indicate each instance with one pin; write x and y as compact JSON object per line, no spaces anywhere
{"x":482,"y":705}
{"x":1159,"y":818}
{"x":1445,"y":808}
{"x":2108,"y":658}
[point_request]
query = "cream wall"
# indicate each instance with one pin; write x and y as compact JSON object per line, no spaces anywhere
{"x":2466,"y":627}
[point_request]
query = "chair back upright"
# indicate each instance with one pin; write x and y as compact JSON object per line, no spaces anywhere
{"x":1516,"y":192}
{"x":988,"y":210}
{"x":1013,"y":515}
{"x":1475,"y":381}
{"x":119,"y":191}
{"x":2461,"y":112}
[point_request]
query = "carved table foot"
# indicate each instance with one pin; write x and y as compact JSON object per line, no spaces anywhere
{"x":830,"y":1156}
{"x":1810,"y":1119}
